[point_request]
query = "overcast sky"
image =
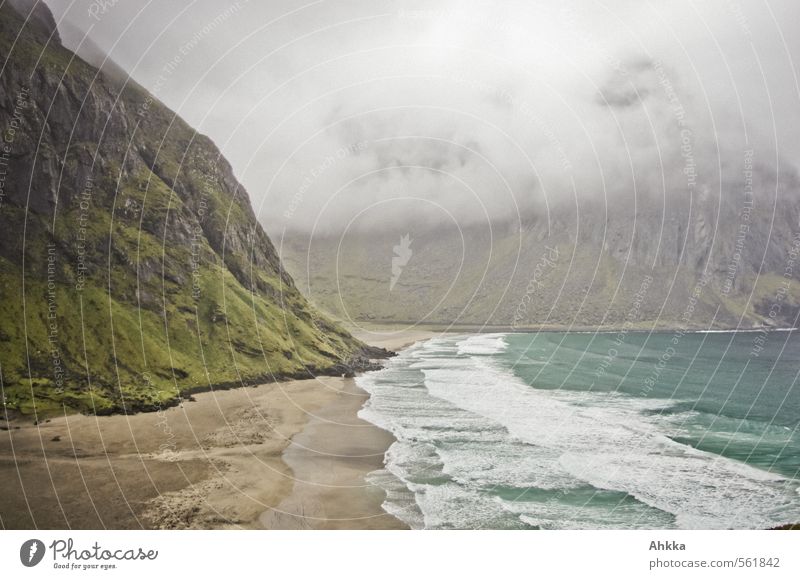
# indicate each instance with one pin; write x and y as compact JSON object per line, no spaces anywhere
{"x":352,"y":113}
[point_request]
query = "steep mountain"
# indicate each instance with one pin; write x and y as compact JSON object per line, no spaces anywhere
{"x":132,"y":267}
{"x":688,"y":260}
{"x":79,"y":42}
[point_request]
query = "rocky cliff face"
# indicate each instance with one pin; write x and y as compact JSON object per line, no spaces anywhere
{"x":132,"y":267}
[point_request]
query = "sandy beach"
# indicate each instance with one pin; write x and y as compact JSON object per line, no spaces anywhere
{"x":392,"y":339}
{"x":287,"y":455}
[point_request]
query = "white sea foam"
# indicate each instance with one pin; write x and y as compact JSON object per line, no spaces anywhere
{"x":477,"y":447}
{"x":482,"y":345}
{"x":400,"y":500}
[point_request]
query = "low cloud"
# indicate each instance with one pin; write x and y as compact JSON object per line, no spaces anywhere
{"x":364,"y":114}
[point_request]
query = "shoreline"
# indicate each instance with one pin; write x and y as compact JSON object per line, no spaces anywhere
{"x":459,"y":328}
{"x":333,"y":453}
{"x":216,"y":461}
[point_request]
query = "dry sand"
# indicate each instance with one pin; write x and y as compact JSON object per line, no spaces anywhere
{"x":281,"y":455}
{"x":392,"y":339}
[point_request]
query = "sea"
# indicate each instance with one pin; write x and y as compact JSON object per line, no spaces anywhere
{"x":591,"y":430}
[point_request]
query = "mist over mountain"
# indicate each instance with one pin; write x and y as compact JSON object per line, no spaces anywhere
{"x":678,"y":220}
{"x":482,"y":113}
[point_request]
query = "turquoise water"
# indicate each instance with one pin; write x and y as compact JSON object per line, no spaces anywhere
{"x":571,"y":430}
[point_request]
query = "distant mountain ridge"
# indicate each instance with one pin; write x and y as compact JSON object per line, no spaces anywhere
{"x":697,"y":262}
{"x":132,"y":267}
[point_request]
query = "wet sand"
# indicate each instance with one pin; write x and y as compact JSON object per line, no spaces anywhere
{"x":329,"y":459}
